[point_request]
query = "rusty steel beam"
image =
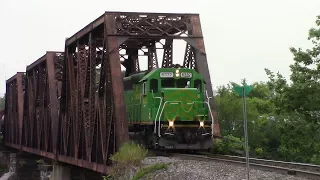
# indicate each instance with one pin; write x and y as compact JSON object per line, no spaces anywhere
{"x":201,"y":65}
{"x":101,"y":20}
{"x":152,"y":58}
{"x":13,"y":114}
{"x":167,"y":54}
{"x":93,"y":121}
{"x":41,"y":107}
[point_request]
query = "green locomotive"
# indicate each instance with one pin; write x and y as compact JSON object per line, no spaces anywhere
{"x":168,"y":108}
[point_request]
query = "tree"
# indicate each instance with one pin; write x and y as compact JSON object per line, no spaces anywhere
{"x":283,"y":118}
{"x":2,"y":103}
{"x":298,"y":103}
{"x":303,"y":95}
{"x":229,"y":107}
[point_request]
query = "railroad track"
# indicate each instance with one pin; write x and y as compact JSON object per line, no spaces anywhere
{"x":297,"y":169}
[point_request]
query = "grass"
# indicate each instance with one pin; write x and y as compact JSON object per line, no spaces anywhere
{"x":130,"y":153}
{"x":149,"y":169}
{"x":3,"y":169}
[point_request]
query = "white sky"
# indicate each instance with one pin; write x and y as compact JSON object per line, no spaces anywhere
{"x":241,"y":37}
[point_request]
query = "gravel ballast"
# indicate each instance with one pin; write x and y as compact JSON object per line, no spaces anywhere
{"x":180,"y":169}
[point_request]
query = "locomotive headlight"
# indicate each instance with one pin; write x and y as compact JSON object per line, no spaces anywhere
{"x":171,"y":123}
{"x":177,"y":71}
{"x":201,"y":123}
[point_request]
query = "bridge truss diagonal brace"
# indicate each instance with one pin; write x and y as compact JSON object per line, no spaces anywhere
{"x":113,"y":42}
{"x":13,"y":114}
{"x":201,"y":66}
{"x":53,"y":100}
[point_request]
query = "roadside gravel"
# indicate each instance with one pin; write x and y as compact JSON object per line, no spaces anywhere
{"x":180,"y":169}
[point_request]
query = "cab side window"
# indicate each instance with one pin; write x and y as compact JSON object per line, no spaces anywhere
{"x":154,"y":85}
{"x":144,"y":88}
{"x":198,"y":85}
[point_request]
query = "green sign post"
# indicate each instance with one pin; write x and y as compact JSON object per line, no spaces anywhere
{"x":243,"y":91}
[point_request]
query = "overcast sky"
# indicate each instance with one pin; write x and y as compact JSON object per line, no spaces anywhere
{"x":242,"y":37}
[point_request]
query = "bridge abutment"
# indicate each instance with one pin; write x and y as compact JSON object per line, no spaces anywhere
{"x":60,"y":172}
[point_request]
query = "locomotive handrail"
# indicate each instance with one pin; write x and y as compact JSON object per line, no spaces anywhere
{"x":162,"y":112}
{"x":193,"y":102}
{"x":210,"y":111}
{"x":208,"y":96}
{"x":155,"y":120}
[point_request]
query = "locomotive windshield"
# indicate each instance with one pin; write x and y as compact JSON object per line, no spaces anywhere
{"x":179,"y":83}
{"x":167,"y":83}
{"x":167,"y":80}
{"x":182,"y":83}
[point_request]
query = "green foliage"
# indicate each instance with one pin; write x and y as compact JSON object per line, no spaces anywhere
{"x":130,"y":153}
{"x":108,"y":177}
{"x":259,"y":151}
{"x":229,"y":106}
{"x":228,"y":145}
{"x":298,"y":139}
{"x":2,"y":103}
{"x":40,"y":161}
{"x":22,"y":163}
{"x":283,"y":118}
{"x":128,"y":156}
{"x":154,"y":167}
{"x":303,"y":94}
{"x":3,"y":168}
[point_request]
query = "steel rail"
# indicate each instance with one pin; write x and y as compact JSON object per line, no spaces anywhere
{"x":256,"y":164}
{"x":300,"y":166}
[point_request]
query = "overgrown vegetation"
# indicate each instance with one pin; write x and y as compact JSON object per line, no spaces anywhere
{"x":3,"y":169}
{"x":146,"y":170}
{"x":128,"y":160}
{"x":130,"y":153}
{"x":40,"y":161}
{"x":128,"y":157}
{"x":2,"y":103}
{"x":283,"y":118}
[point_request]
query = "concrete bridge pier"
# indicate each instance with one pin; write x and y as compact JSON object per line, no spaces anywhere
{"x":24,"y":166}
{"x":13,"y":162}
{"x":60,"y":172}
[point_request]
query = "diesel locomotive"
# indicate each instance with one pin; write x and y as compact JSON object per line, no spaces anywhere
{"x":168,"y":108}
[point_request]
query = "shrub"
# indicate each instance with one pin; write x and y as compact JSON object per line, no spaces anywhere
{"x":259,"y":151}
{"x":130,"y":153}
{"x":128,"y":156}
{"x":218,"y":146}
{"x":229,"y":145}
